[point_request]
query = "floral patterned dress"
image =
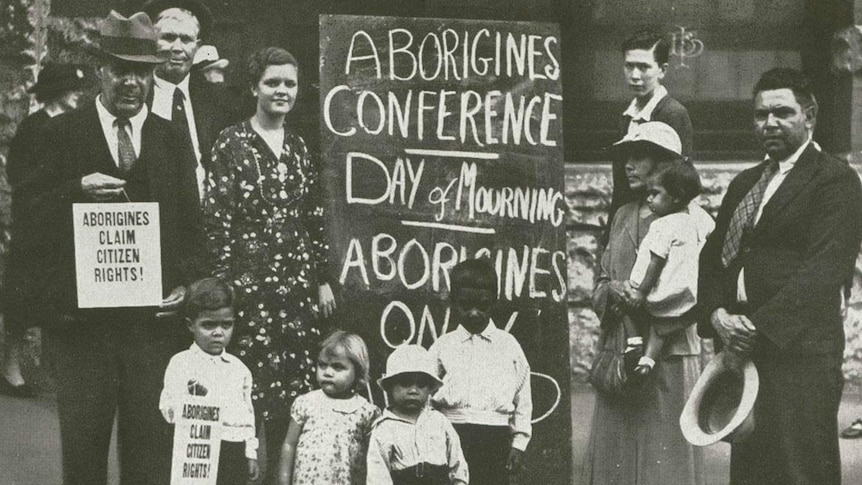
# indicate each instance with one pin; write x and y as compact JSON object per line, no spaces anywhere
{"x":334,"y":439}
{"x":265,"y":224}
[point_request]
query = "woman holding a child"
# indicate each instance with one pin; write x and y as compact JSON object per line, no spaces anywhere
{"x":265,"y":222}
{"x":638,"y":439}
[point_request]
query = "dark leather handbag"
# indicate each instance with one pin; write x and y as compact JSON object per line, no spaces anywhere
{"x":608,"y":373}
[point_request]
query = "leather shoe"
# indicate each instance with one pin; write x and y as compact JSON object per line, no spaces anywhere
{"x":23,"y":391}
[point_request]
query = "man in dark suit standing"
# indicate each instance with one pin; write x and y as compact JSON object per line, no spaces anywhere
{"x":111,"y":361}
{"x":773,"y":278}
{"x":196,"y":108}
{"x":646,"y":62}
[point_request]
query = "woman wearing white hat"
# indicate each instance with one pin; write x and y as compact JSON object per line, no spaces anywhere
{"x":638,"y":440}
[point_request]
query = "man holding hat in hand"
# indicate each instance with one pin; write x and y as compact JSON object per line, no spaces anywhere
{"x":111,"y":361}
{"x":773,"y":277}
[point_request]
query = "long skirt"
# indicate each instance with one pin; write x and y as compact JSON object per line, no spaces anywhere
{"x":638,"y":441}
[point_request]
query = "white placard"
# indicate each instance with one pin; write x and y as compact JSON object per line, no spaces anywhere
{"x":197,"y":442}
{"x":118,"y":255}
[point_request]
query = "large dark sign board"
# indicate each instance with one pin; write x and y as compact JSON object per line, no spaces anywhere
{"x":442,"y":140}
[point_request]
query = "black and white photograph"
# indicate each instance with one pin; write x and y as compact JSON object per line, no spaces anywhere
{"x":431,"y":242}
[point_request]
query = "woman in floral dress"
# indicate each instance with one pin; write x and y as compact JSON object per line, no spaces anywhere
{"x":265,"y":224}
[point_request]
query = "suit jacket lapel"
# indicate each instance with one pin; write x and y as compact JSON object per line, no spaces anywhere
{"x":91,"y":130}
{"x":799,"y":176}
{"x":149,"y":161}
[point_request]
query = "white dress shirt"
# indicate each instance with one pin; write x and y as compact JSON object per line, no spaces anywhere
{"x":109,"y":129}
{"x":486,"y":381}
{"x":163,"y":107}
{"x":226,"y":379}
{"x":639,"y":116}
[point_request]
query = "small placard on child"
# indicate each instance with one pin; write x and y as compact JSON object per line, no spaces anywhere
{"x":197,"y":442}
{"x":118,"y":255}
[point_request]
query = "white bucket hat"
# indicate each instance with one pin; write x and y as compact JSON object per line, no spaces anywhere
{"x":721,"y":405}
{"x":409,"y":359}
{"x":660,"y":135}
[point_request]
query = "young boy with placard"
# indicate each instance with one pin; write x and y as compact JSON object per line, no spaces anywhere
{"x":209,"y":378}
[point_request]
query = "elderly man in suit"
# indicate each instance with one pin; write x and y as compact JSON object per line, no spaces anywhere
{"x":110,"y":361}
{"x":773,"y":278}
{"x":196,"y":108}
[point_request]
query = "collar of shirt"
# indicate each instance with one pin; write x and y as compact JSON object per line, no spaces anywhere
{"x":788,"y":163}
{"x":464,"y":335}
{"x":388,"y":414}
{"x":168,"y":87}
{"x":109,"y":130}
{"x":200,"y":354}
{"x":646,"y":113}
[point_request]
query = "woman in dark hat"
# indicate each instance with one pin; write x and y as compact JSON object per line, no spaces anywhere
{"x":58,"y":89}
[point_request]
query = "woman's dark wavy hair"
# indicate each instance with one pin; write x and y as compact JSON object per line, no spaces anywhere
{"x":263,"y":58}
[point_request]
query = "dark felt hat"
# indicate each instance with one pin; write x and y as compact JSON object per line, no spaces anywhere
{"x":130,"y":39}
{"x":57,"y":79}
{"x":203,"y":13}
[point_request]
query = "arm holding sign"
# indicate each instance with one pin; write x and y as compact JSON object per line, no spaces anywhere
{"x":102,"y":188}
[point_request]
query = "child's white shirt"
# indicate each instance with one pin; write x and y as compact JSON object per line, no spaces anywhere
{"x":486,"y":381}
{"x":678,"y":239}
{"x":225,"y":378}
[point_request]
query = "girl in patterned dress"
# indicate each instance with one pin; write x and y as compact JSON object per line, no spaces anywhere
{"x":327,"y":439}
{"x":264,"y":220}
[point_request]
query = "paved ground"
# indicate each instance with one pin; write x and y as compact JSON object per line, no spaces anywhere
{"x":29,"y":448}
{"x":718,"y":456}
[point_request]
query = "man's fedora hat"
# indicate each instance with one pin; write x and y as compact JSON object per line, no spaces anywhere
{"x":721,"y":405}
{"x":409,"y":359}
{"x":201,"y":12}
{"x":57,"y":79}
{"x":130,"y":39}
{"x":207,"y":58}
{"x":654,"y":134}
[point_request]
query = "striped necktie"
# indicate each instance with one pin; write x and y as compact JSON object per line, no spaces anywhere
{"x":743,"y":217}
{"x":126,"y":157}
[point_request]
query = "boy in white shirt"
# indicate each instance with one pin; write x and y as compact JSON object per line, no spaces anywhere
{"x":486,"y":379}
{"x":206,"y":369}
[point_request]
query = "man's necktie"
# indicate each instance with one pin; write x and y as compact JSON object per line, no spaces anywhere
{"x":743,"y":216}
{"x":180,"y":120}
{"x":125,"y":150}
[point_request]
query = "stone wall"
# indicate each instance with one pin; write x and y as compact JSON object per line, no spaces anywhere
{"x":588,"y":194}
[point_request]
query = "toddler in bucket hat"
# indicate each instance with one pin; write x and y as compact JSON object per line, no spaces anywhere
{"x":410,"y":442}
{"x":409,"y":359}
